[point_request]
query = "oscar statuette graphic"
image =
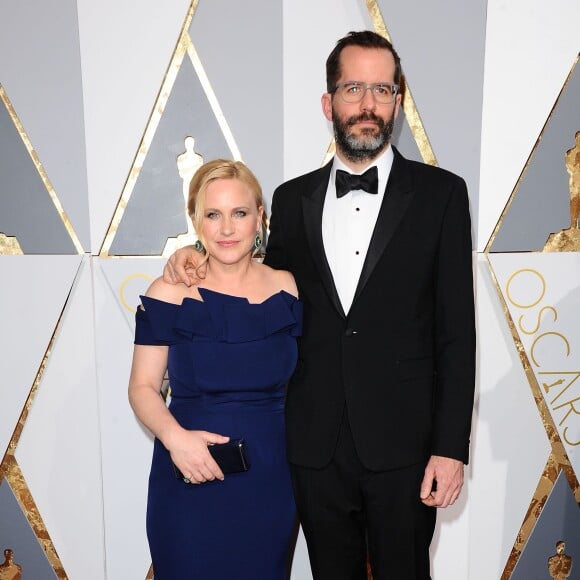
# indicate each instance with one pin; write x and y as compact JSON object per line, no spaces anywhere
{"x":188,"y":163}
{"x":9,"y":570}
{"x":568,"y":240}
{"x":560,"y":564}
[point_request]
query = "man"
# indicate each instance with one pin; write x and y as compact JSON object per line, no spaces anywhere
{"x":379,"y":408}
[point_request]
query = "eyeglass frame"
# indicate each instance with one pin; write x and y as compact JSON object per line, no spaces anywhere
{"x":366,"y":86}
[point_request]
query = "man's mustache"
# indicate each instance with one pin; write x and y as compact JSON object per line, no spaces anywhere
{"x":368,"y":116}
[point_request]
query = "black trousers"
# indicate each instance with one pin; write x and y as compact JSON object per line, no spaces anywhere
{"x":348,"y":512}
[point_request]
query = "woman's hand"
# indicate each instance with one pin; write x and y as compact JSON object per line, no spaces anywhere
{"x":181,"y":266}
{"x":189,"y":451}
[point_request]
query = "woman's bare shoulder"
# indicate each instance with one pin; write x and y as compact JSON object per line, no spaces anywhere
{"x":174,"y":293}
{"x":280,"y":280}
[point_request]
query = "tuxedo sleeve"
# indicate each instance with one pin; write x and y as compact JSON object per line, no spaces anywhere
{"x":276,"y":254}
{"x":454,"y":330}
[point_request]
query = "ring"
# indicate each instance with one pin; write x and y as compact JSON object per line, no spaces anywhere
{"x":187,"y":478}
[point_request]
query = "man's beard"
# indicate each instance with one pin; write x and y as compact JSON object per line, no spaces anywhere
{"x":370,"y":144}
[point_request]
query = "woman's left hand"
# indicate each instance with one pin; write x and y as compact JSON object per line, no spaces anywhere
{"x":189,"y":452}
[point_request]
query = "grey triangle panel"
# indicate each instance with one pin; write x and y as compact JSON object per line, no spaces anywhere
{"x":26,"y":209}
{"x":155,"y":211}
{"x":240,"y":46}
{"x":541,"y":204}
{"x":559,"y":520}
{"x":18,"y":536}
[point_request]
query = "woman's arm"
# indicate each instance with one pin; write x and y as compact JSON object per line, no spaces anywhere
{"x":188,"y":449}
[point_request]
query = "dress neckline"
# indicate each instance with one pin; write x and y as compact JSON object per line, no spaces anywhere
{"x":209,"y":292}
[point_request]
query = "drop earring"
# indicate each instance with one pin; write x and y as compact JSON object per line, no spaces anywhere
{"x":199,"y":246}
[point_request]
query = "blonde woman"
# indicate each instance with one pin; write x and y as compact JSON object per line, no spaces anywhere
{"x":229,"y":344}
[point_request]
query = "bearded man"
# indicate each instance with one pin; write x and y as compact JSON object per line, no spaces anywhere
{"x":378,"y":411}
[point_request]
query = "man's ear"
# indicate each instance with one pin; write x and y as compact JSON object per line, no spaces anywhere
{"x":398,"y":99}
{"x":326,"y":102}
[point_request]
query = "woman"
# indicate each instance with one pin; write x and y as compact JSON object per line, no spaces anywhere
{"x":229,"y":346}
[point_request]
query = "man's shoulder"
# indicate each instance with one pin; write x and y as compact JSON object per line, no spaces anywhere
{"x":297,"y":184}
{"x":426,"y":171}
{"x":435,"y":172}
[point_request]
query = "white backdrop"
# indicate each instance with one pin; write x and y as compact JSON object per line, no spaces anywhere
{"x":83,"y":456}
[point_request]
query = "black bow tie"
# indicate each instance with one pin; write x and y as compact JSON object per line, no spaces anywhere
{"x":345,"y":182}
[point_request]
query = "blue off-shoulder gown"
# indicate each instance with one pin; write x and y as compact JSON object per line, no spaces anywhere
{"x":229,"y":361}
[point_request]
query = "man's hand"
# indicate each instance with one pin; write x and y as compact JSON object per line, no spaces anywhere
{"x":181,"y":267}
{"x":446,"y":476}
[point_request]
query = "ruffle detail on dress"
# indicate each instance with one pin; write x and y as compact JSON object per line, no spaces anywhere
{"x":220,"y":317}
{"x":154,"y":322}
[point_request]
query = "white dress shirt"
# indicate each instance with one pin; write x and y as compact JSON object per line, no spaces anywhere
{"x":347,"y":227}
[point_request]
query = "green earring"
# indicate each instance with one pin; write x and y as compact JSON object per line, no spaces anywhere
{"x":199,"y":246}
{"x":257,"y":242}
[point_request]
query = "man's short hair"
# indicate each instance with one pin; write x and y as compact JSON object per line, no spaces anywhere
{"x":364,"y":39}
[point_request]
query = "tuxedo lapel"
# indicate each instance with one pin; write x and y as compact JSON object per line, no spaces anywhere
{"x":398,"y":196}
{"x":312,"y":206}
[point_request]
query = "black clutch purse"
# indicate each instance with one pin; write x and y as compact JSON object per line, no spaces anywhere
{"x":230,"y":456}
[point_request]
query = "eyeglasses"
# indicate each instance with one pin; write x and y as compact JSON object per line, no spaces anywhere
{"x":354,"y":91}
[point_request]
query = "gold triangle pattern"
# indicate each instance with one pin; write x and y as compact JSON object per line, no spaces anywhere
{"x":511,"y":198}
{"x":184,"y":47}
{"x":10,"y":470}
{"x":558,"y":460}
{"x":541,"y":494}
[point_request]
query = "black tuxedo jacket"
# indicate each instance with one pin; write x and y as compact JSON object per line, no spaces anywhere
{"x":402,"y":360}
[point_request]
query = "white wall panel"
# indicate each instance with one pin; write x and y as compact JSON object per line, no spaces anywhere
{"x":126,"y":445}
{"x":510,"y":447}
{"x":33,"y":293}
{"x":450,"y":544}
{"x":59,"y":450}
